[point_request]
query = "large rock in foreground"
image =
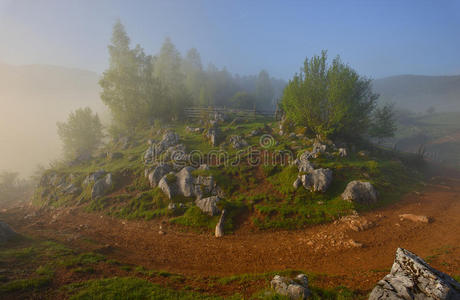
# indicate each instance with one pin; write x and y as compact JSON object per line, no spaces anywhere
{"x":6,"y":232}
{"x":412,"y":278}
{"x":360,"y":192}
{"x":294,"y":289}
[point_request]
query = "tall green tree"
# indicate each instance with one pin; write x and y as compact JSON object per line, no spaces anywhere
{"x":330,"y":100}
{"x":127,"y":85}
{"x":81,"y":135}
{"x":194,"y":76}
{"x":167,"y":69}
{"x":264,"y":91}
{"x":383,"y":122}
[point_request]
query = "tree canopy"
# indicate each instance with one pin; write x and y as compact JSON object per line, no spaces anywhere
{"x":330,"y":100}
{"x":81,"y":134}
{"x":140,"y":88}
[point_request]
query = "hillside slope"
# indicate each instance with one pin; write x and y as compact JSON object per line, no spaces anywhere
{"x":41,"y":95}
{"x":418,"y":93}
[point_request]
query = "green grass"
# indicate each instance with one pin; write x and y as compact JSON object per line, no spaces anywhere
{"x":125,"y":288}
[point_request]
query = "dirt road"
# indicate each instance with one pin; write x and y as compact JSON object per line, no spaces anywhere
{"x":353,"y":258}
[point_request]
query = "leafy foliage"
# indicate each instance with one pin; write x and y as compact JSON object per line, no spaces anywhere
{"x":330,"y":100}
{"x":81,"y":135}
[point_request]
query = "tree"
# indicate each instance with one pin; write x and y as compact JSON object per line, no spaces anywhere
{"x":194,"y":76}
{"x":128,"y":87}
{"x":243,"y":100}
{"x":264,"y":91}
{"x":383,"y":122}
{"x":167,"y":70}
{"x":81,"y":134}
{"x":330,"y":100}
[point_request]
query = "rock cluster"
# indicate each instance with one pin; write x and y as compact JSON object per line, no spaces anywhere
{"x":293,"y":288}
{"x":412,"y":278}
{"x":185,"y":184}
{"x":237,"y":142}
{"x":170,"y":139}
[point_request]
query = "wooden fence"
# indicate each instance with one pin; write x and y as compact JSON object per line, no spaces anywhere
{"x":196,"y":112}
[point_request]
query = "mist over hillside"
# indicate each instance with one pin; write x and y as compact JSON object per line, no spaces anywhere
{"x":33,"y":98}
{"x":418,"y":93}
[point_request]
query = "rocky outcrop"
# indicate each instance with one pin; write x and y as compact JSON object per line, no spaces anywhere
{"x":186,"y":182}
{"x":102,"y":186}
{"x":93,"y":177}
{"x":158,"y":173}
{"x":209,"y":205}
{"x":168,"y":185}
{"x":152,"y":153}
{"x":294,"y":289}
{"x":6,"y":233}
{"x":412,"y":278}
{"x":238,"y":142}
{"x":220,"y":225}
{"x":317,"y":180}
{"x":303,"y":164}
{"x":360,"y":192}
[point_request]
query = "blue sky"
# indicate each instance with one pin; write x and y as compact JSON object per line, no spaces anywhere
{"x":377,"y":38}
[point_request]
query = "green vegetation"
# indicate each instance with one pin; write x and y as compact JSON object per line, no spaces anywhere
{"x":41,"y":263}
{"x":81,"y":135}
{"x":127,"y":288}
{"x":329,"y":100}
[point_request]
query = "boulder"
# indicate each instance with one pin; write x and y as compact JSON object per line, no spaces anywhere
{"x":297,"y":183}
{"x":360,"y":192}
{"x":185,"y":182}
{"x":238,"y":142}
{"x":71,"y":189}
{"x":255,"y":132}
{"x":158,"y":173}
{"x":293,"y":289}
{"x":102,"y":186}
{"x":204,"y":185}
{"x":317,"y":180}
{"x":220,"y":225}
{"x":412,"y":278}
{"x":168,"y":187}
{"x":343,"y":152}
{"x":214,"y":135}
{"x":170,"y":139}
{"x":209,"y":205}
{"x":93,"y":177}
{"x":319,"y":148}
{"x":303,"y":163}
{"x":6,"y":233}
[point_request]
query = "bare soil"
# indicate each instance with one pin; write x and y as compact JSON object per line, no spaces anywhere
{"x":356,"y":259}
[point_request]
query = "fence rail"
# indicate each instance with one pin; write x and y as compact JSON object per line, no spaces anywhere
{"x":197,"y":112}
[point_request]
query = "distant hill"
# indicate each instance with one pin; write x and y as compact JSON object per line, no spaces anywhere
{"x":32,"y":99}
{"x":418,"y":93}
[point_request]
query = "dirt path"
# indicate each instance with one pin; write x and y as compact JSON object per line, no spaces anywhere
{"x":324,"y":249}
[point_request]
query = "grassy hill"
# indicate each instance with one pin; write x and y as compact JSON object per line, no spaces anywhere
{"x":418,"y":93}
{"x":262,"y":193}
